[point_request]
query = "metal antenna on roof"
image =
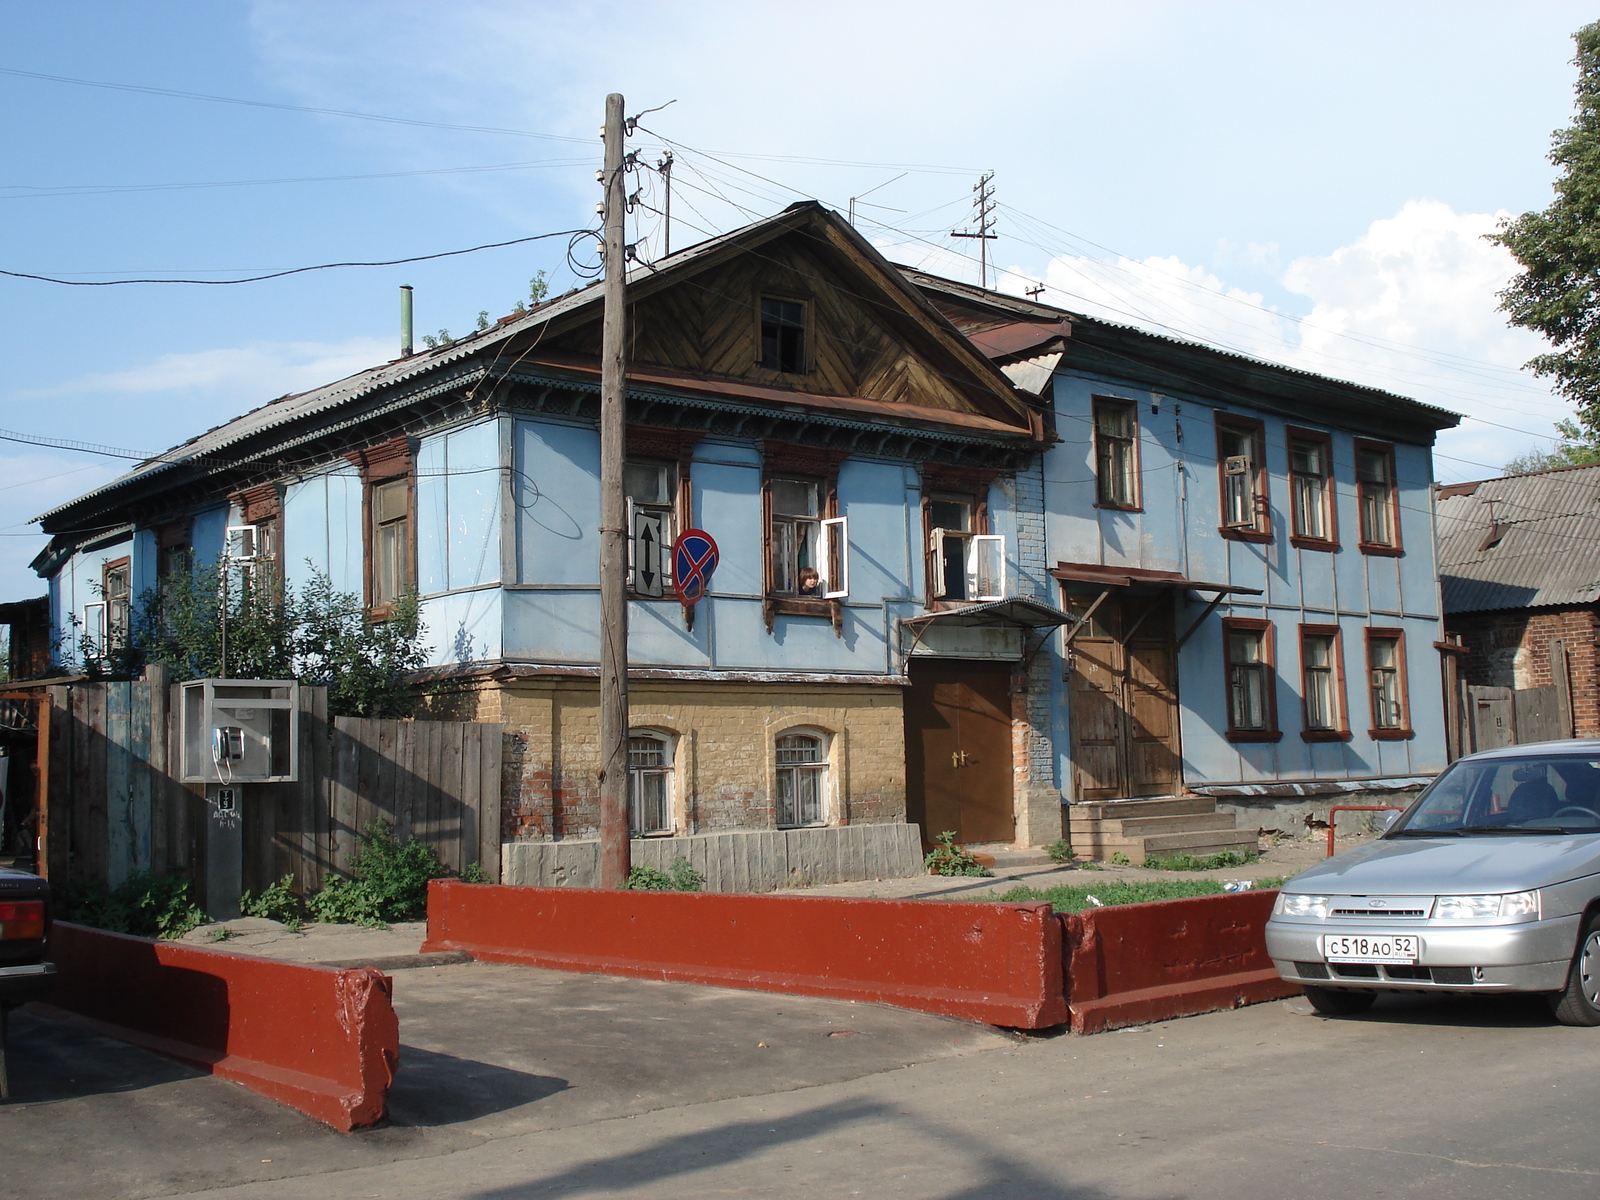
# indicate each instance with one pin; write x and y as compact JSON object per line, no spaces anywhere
{"x":983,"y":203}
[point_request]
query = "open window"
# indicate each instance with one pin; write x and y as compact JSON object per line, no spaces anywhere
{"x":1242,"y":478}
{"x":1311,"y":509}
{"x":116,"y":583}
{"x":1378,"y":498}
{"x":1251,"y":680}
{"x":965,"y":562}
{"x":807,"y":538}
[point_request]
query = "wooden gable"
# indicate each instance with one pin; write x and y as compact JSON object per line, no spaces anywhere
{"x":866,"y":337}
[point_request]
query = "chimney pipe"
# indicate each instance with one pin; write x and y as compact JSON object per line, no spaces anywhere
{"x":405,"y":320}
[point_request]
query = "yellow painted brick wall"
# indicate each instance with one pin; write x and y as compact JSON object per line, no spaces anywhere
{"x":723,"y":761}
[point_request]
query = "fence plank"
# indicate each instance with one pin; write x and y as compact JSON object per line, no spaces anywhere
{"x":141,"y":784}
{"x":453,"y":829}
{"x":346,"y":756}
{"x":490,"y":740}
{"x":119,"y":823}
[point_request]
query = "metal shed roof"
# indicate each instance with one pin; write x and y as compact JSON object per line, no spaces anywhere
{"x":1523,"y":541}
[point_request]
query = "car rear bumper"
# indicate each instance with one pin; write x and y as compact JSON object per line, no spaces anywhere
{"x":25,"y":982}
{"x":1530,"y":957}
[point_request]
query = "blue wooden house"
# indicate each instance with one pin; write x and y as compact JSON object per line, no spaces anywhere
{"x":1247,"y":553}
{"x":856,"y":460}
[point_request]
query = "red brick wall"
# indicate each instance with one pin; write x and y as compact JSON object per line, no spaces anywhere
{"x":1512,"y":649}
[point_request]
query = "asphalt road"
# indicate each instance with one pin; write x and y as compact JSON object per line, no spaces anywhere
{"x":521,"y":1084}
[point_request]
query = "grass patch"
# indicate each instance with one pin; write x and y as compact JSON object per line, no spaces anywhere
{"x":1272,"y":881}
{"x":1133,"y":891}
{"x":1188,"y":862}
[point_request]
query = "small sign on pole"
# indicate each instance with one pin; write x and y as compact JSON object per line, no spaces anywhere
{"x":694,"y":558}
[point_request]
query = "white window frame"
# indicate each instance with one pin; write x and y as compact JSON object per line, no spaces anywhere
{"x":835,"y":554}
{"x":993,"y":573}
{"x":820,"y":769}
{"x":94,"y":625}
{"x":665,"y":772}
{"x":241,"y":544}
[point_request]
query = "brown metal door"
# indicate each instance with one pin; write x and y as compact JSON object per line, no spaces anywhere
{"x":1122,"y":688}
{"x":958,"y":750}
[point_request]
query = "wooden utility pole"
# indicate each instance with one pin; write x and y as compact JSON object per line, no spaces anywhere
{"x":614,"y":849}
{"x":983,"y":206}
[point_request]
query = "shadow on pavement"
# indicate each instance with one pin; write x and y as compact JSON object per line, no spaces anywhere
{"x":667,"y":1162}
{"x":433,"y":1089}
{"x":1466,"y":1012}
{"x":53,"y":1058}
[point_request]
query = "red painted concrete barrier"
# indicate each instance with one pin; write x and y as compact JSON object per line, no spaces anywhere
{"x":995,"y":963}
{"x":1134,"y":963}
{"x":321,"y":1040}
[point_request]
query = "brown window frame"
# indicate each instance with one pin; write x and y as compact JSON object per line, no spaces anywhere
{"x":807,"y":334}
{"x":1391,"y":549}
{"x":1390,"y":733}
{"x":1257,"y":431}
{"x":674,"y":447}
{"x":116,"y":637}
{"x":1135,"y":501}
{"x":1269,"y":660}
{"x":389,"y":462}
{"x":1298,"y":537}
{"x":1340,"y":732}
{"x":954,"y":483}
{"x":262,"y":509}
{"x":782,"y":460}
{"x":174,"y":548}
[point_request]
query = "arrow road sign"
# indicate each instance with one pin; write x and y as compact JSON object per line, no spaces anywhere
{"x":694,"y":557}
{"x":647,"y":553}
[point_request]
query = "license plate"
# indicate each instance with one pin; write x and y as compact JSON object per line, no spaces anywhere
{"x":1392,"y":948}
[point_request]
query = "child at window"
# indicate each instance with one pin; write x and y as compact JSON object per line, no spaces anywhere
{"x":810,"y":582}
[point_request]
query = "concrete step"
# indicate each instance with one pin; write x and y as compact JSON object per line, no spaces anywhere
{"x":1211,"y":841}
{"x":1120,"y":810}
{"x":1135,"y":827}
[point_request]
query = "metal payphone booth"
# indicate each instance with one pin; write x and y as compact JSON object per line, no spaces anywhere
{"x":234,"y":733}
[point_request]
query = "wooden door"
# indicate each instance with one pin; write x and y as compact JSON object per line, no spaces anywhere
{"x":1123,"y":695}
{"x":958,"y":750}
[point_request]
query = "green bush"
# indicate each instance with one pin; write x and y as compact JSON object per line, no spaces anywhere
{"x":278,"y":902}
{"x":1059,"y":851}
{"x":144,"y":904}
{"x":679,"y":877}
{"x":388,"y":882}
{"x":474,"y":873}
{"x":947,"y":858}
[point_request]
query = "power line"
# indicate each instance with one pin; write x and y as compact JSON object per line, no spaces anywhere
{"x":393,"y":262}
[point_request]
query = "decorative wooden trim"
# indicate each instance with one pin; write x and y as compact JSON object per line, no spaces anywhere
{"x":784,"y":458}
{"x":1263,"y":496}
{"x":1300,"y":541}
{"x":1383,"y":549}
{"x":172,"y":535}
{"x":1138,"y":449}
{"x":1269,"y":659}
{"x":386,"y":460}
{"x":648,"y":441}
{"x":940,"y":477}
{"x":257,"y":504}
{"x":1404,"y":731}
{"x":1341,"y":732}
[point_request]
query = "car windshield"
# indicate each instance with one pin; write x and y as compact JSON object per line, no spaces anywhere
{"x":1550,"y":793}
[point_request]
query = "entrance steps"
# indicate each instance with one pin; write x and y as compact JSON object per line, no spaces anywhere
{"x":1159,"y":828}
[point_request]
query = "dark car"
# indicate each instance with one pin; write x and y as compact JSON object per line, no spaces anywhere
{"x":24,"y":934}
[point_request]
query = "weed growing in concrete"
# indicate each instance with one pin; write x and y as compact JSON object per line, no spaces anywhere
{"x":475,"y":873}
{"x":1059,"y":851}
{"x":1132,"y":891}
{"x":1188,"y":862}
{"x":947,"y":858}
{"x":277,"y":902}
{"x":144,"y":904}
{"x":1119,"y":859}
{"x":1090,"y":866}
{"x":679,"y":877}
{"x":222,"y":933}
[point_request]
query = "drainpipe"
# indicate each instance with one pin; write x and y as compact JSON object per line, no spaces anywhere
{"x":405,"y":320}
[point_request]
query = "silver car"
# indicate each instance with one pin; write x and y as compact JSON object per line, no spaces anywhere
{"x":1489,"y":882}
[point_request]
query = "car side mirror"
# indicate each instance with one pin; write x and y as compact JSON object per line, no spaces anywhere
{"x":1387,"y":819}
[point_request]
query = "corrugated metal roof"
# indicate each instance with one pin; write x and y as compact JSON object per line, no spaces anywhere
{"x":1521,"y":542}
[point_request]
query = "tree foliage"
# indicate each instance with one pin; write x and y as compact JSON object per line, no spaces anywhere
{"x":1577,"y":448}
{"x":318,"y":635}
{"x":1557,"y":293}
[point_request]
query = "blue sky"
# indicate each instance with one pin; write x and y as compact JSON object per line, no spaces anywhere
{"x":1307,"y":182}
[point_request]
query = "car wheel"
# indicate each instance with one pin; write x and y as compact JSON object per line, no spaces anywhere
{"x":1332,"y":1003}
{"x":1579,"y":1002}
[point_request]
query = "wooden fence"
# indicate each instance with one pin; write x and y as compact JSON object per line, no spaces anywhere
{"x":117,"y":806}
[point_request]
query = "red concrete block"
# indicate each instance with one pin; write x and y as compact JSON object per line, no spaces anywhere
{"x":996,"y":963}
{"x":320,"y":1040}
{"x":1135,"y":963}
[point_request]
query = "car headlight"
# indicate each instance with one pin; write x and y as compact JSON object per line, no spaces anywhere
{"x":1466,"y":908}
{"x":1301,"y":904}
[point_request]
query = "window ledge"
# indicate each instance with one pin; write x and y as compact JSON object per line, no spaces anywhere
{"x":1384,"y":551}
{"x":1106,"y":504}
{"x":1311,"y":543}
{"x":1255,"y":735}
{"x":1244,"y":535}
{"x":1391,"y":735}
{"x":801,"y":606}
{"x":1325,"y":735}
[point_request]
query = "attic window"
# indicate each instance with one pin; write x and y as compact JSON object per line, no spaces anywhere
{"x":783,"y":335}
